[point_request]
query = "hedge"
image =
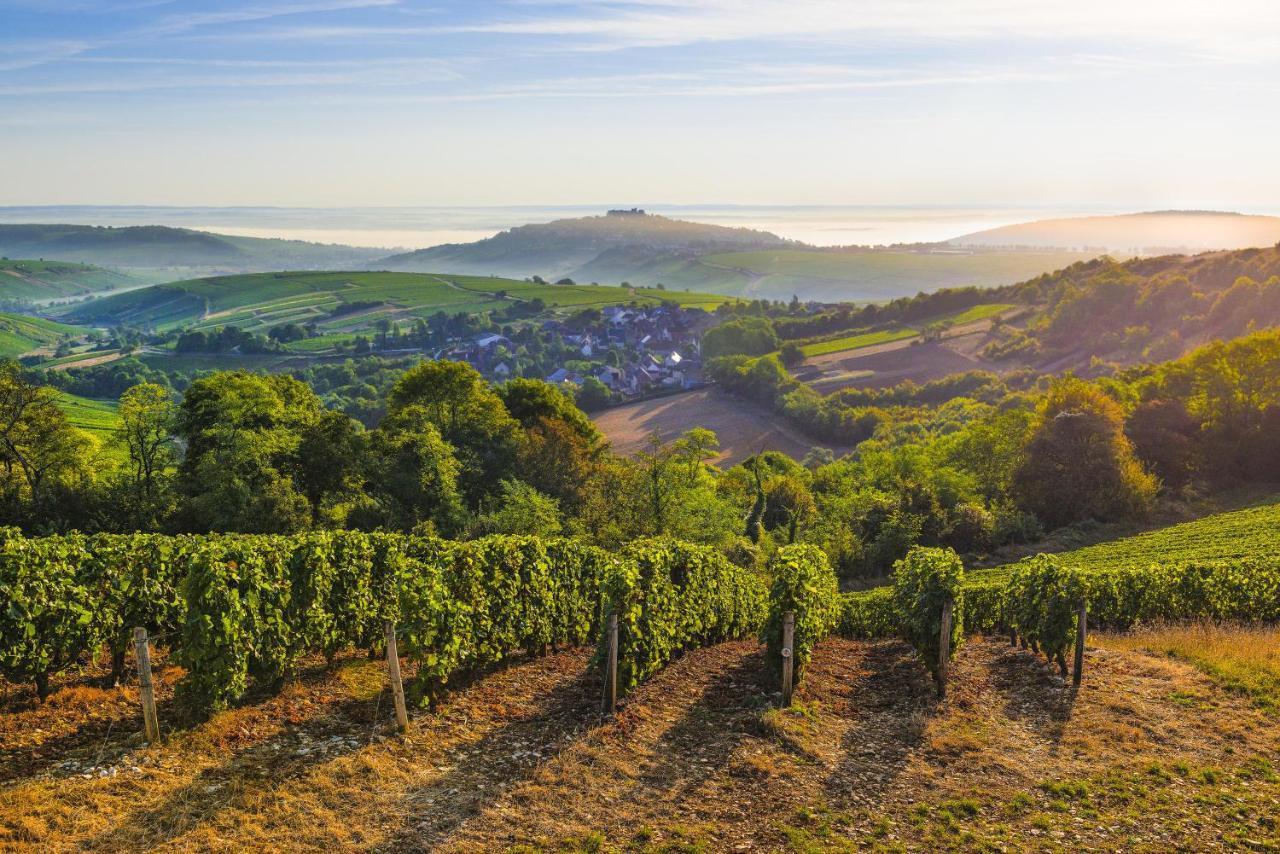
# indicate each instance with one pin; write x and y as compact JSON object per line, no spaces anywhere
{"x":804,"y":584}
{"x":671,"y":596}
{"x":922,"y":582}
{"x":1042,"y":603}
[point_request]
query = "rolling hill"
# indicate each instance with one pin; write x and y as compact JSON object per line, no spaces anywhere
{"x":581,"y":247}
{"x":1145,"y":233}
{"x":41,"y":281}
{"x":343,"y":302}
{"x":647,"y":249}
{"x":156,"y":246}
{"x":1144,"y":309}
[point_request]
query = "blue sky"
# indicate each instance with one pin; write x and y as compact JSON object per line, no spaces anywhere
{"x":415,"y":102}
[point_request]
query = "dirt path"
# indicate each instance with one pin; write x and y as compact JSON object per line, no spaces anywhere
{"x":88,"y":362}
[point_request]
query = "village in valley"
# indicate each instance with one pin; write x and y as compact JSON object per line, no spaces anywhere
{"x":620,"y":352}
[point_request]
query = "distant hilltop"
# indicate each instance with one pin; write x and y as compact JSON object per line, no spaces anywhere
{"x":1151,"y":233}
{"x":622,"y":244}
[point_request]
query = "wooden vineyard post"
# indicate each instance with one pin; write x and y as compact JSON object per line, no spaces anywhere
{"x":944,"y":646}
{"x":393,"y":673}
{"x":150,"y":721}
{"x":788,"y":660}
{"x":611,"y":667}
{"x":1082,"y":629}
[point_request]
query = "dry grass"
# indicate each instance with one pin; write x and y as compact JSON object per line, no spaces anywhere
{"x":1245,"y":660}
{"x":1151,"y":754}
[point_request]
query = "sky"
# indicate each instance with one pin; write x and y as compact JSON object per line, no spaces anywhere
{"x":1149,"y":103}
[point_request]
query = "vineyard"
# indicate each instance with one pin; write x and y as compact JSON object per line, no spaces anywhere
{"x":248,"y":617}
{"x":240,"y":611}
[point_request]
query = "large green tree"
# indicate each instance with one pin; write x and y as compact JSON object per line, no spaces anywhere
{"x":1078,"y":463}
{"x":243,"y":433}
{"x":47,"y":463}
{"x":144,"y":489}
{"x":468,"y":414}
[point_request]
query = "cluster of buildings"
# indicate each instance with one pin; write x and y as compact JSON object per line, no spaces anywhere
{"x":632,"y":350}
{"x":660,"y":343}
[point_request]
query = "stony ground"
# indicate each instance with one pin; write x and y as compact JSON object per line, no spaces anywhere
{"x":1150,"y":755}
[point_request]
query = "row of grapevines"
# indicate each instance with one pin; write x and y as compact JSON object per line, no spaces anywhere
{"x":803,"y":584}
{"x":257,"y":604}
{"x":468,"y":605}
{"x":64,"y":597}
{"x":1244,"y":589}
{"x":923,"y":582}
{"x":1041,"y":605}
{"x":671,"y":596}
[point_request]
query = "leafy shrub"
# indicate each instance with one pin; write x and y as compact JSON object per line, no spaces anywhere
{"x":237,"y":593}
{"x":804,"y":584}
{"x":1041,"y":603}
{"x":671,"y":596}
{"x":922,"y":581}
{"x":214,"y":643}
{"x":47,"y":619}
{"x":133,"y":580}
{"x":868,"y":614}
{"x":465,"y":606}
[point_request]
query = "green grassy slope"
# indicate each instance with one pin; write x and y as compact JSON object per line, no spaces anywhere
{"x":98,"y":418}
{"x":857,"y":339}
{"x":834,"y":275}
{"x":1253,"y":531}
{"x":20,"y":333}
{"x":259,"y":301}
{"x":1240,"y":533}
{"x":35,"y":281}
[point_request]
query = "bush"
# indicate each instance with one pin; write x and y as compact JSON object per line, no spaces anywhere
{"x":672,"y":596}
{"x":466,"y":606}
{"x":804,"y":584}
{"x":47,"y":619}
{"x":133,"y":580}
{"x":1041,"y":603}
{"x":868,"y":614}
{"x":922,"y":582}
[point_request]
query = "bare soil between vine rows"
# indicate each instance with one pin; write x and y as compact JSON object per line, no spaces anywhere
{"x":1148,"y":755}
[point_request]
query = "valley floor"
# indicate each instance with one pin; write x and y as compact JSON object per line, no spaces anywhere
{"x":743,"y":427}
{"x":1149,"y":755}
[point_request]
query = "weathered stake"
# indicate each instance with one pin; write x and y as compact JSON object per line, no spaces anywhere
{"x":393,"y":673}
{"x":1082,"y":629}
{"x":944,"y":647}
{"x":150,"y":721}
{"x":788,"y":659}
{"x":611,"y":668}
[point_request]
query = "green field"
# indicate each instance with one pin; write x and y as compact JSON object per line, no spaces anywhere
{"x":257,"y":302}
{"x":21,"y":333}
{"x":857,"y":342}
{"x":1240,"y":533}
{"x":1254,"y":531}
{"x":98,"y":418}
{"x":978,"y":312}
{"x":38,"y":281}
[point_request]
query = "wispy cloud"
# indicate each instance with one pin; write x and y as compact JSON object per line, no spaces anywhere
{"x":236,"y":75}
{"x":30,"y":54}
{"x":621,"y":24}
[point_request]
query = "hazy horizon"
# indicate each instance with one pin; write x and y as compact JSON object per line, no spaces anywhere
{"x":407,"y":227}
